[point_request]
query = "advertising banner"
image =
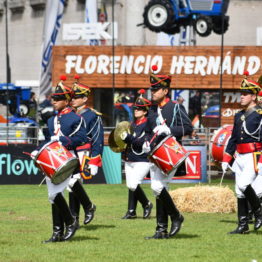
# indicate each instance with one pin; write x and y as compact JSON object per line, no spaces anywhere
{"x":191,"y":67}
{"x":196,"y":166}
{"x":18,"y":168}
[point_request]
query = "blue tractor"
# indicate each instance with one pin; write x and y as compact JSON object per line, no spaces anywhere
{"x":204,"y":15}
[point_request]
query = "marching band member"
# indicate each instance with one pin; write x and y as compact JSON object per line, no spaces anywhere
{"x":136,"y":163}
{"x":68,"y":128}
{"x":245,"y":143}
{"x":89,"y":154}
{"x":165,"y":117}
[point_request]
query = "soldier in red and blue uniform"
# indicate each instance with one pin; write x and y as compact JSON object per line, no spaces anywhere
{"x":242,"y":150}
{"x":67,"y":128}
{"x":137,"y":165}
{"x":90,"y":154}
{"x":165,"y":117}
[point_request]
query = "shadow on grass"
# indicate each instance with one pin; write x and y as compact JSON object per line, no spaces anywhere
{"x":228,"y":221}
{"x":81,"y":238}
{"x":94,"y":227}
{"x":184,"y":236}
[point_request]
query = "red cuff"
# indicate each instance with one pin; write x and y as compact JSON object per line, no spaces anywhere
{"x":227,"y":158}
{"x":260,"y":159}
{"x":97,"y":161}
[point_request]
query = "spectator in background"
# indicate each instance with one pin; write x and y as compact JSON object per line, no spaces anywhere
{"x":195,"y":105}
{"x":32,"y":106}
{"x":47,"y":102}
{"x":180,"y":100}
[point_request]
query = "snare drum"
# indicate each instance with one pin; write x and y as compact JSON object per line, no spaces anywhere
{"x":168,"y":155}
{"x":219,"y":142}
{"x":56,"y":162}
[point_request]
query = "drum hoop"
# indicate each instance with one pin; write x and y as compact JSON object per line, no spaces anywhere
{"x":218,"y":130}
{"x":68,"y":160}
{"x":160,"y":144}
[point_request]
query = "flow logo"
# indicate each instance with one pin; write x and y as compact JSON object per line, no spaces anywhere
{"x":9,"y":166}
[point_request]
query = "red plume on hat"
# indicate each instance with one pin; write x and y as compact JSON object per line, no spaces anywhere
{"x":61,"y":90}
{"x":154,"y":68}
{"x":76,"y":77}
{"x":80,"y":89}
{"x":249,"y":86}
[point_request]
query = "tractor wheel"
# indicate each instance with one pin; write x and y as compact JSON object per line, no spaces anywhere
{"x":217,"y":25}
{"x":174,"y":29}
{"x":203,"y":25}
{"x":158,"y":15}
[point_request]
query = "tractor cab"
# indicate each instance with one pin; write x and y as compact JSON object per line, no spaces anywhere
{"x":204,"y":15}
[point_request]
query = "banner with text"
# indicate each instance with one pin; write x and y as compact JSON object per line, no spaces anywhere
{"x":191,"y":67}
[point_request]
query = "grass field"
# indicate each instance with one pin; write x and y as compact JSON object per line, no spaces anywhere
{"x":25,"y":221}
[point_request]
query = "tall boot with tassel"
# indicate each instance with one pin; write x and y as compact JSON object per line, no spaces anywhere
{"x":132,"y":203}
{"x":88,"y":206}
{"x":58,"y":226}
{"x":242,"y":210}
{"x":70,"y":221}
{"x":176,"y":218}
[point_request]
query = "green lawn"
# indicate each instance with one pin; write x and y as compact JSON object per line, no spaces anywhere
{"x":25,"y":220}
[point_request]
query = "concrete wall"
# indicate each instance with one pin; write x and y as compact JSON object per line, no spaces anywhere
{"x":25,"y":31}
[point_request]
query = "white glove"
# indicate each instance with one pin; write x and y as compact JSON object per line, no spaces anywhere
{"x":259,"y":168}
{"x":54,"y":138}
{"x":34,"y":154}
{"x":93,"y":169}
{"x":162,"y":129}
{"x":225,"y":166}
{"x":146,"y":147}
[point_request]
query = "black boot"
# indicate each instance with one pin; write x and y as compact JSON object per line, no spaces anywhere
{"x":132,"y":203}
{"x":242,"y":210}
{"x":74,"y":206}
{"x":176,"y":218}
{"x":58,"y":226}
{"x":88,"y":207}
{"x":162,"y":221}
{"x":254,"y":201}
{"x":70,"y":221}
{"x":250,"y":214}
{"x":146,"y":204}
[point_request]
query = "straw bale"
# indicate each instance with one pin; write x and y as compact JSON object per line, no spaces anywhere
{"x":205,"y":199}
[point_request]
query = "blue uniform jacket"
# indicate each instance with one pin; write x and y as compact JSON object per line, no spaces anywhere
{"x":176,"y":119}
{"x":239,"y":135}
{"x":94,"y":131}
{"x":72,"y":128}
{"x":133,"y":152}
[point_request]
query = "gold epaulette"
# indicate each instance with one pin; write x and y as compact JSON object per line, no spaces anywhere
{"x":259,"y":111}
{"x":95,"y":111}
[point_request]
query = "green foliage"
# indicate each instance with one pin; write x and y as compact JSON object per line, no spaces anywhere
{"x":25,"y":221}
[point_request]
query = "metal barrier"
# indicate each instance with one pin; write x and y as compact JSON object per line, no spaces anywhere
{"x":21,"y":134}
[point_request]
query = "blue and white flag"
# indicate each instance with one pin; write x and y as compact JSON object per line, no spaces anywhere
{"x":52,"y":24}
{"x":91,"y":17}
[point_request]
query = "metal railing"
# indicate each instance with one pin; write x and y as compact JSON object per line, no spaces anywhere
{"x":34,"y":135}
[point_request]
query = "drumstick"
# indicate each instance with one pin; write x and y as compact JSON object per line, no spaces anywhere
{"x":27,"y":153}
{"x":156,"y":133}
{"x":42,"y":181}
{"x":224,"y":175}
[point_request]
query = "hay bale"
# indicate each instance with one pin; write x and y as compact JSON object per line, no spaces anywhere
{"x":205,"y":199}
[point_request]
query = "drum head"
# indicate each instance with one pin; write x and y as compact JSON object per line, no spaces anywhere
{"x":65,"y":171}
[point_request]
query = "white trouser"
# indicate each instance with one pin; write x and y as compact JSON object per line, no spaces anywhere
{"x":53,"y":189}
{"x":135,"y":173}
{"x":159,"y":180}
{"x":244,"y":168}
{"x":73,"y":179}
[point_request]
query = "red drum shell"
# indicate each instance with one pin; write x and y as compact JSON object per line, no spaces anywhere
{"x":168,"y":155}
{"x":56,"y":162}
{"x":219,"y":142}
